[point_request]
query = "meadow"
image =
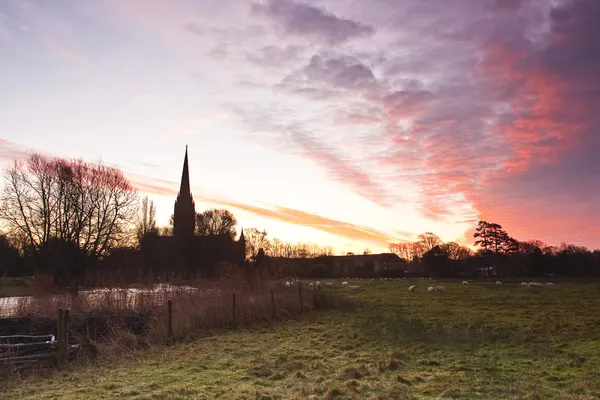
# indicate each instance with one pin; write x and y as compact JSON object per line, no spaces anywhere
{"x":478,"y":341}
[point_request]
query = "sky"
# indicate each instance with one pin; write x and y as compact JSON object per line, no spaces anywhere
{"x":339,"y":122}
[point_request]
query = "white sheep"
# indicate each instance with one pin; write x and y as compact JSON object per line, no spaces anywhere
{"x":440,"y":289}
{"x":344,"y":284}
{"x":430,"y":289}
{"x":288,"y":284}
{"x":498,"y":283}
{"x":524,"y":284}
{"x":535,"y":284}
{"x":412,"y":288}
{"x":465,"y":283}
{"x":318,"y":285}
{"x":311,"y":286}
{"x":549,"y":284}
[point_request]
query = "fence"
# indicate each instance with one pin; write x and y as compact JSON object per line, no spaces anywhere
{"x":173,"y":321}
{"x":21,"y":352}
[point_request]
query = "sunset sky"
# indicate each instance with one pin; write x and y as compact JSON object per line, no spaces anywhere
{"x":340,"y":122}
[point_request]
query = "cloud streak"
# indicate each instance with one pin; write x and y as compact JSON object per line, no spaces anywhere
{"x":162,"y":187}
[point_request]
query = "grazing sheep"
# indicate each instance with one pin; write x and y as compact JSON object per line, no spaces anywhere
{"x":524,"y":284}
{"x":318,"y":285}
{"x":288,"y":284}
{"x":535,"y":284}
{"x":498,"y":283}
{"x":311,"y":286}
{"x":344,"y":284}
{"x":430,"y":289}
{"x":412,"y":288}
{"x":440,"y":289}
{"x":465,"y":283}
{"x":549,"y":284}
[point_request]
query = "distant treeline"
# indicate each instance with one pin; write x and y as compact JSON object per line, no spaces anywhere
{"x":83,"y":223}
{"x":499,"y":254}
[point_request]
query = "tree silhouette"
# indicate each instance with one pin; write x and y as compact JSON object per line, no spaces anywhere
{"x":215,"y":222}
{"x":146,"y":223}
{"x":90,"y":206}
{"x":428,"y":241}
{"x":454,"y":251}
{"x":491,"y":237}
{"x":255,"y":240}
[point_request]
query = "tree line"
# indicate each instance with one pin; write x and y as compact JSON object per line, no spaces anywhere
{"x":65,"y":217}
{"x":498,"y":254}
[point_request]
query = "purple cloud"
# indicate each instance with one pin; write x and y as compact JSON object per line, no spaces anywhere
{"x":304,"y":20}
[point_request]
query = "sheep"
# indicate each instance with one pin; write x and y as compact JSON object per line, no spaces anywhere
{"x":412,"y":288}
{"x":344,"y":284}
{"x":288,"y":284}
{"x":524,"y":284}
{"x":535,"y":284}
{"x":549,"y":284}
{"x":311,"y":286}
{"x":430,"y":289}
{"x":440,"y":289}
{"x":498,"y":283}
{"x":318,"y":285}
{"x":465,"y":283}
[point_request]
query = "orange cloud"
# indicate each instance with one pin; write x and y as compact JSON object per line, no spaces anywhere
{"x":164,"y":187}
{"x":277,"y":213}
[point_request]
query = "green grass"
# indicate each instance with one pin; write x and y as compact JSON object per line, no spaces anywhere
{"x":15,"y":287}
{"x":475,"y":342}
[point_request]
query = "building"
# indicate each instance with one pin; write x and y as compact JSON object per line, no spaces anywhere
{"x":367,"y":264}
{"x":184,"y":252}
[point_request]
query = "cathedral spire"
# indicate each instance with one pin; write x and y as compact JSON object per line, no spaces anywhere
{"x":184,"y":216}
{"x":185,"y":176}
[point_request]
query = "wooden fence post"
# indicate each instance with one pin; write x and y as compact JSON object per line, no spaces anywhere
{"x":233,"y":313}
{"x":300,"y":295}
{"x":273,"y":303}
{"x":170,"y":319}
{"x":65,"y":349}
{"x":59,"y":336}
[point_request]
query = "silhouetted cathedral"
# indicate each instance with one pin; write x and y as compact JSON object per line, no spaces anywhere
{"x":184,"y":215}
{"x":184,"y":252}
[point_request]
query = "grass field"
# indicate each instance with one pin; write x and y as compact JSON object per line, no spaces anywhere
{"x":475,"y":342}
{"x":14,"y":287}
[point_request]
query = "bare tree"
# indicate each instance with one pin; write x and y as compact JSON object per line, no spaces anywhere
{"x":327,"y":251}
{"x":146,"y":223}
{"x":215,"y":222}
{"x":276,"y":248}
{"x":91,"y":206}
{"x":454,"y":251}
{"x":428,"y":241}
{"x":255,"y":240}
{"x":403,"y":250}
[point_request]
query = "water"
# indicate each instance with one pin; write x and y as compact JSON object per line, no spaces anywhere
{"x":119,"y":298}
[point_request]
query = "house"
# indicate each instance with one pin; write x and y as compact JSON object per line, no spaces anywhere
{"x":367,"y":264}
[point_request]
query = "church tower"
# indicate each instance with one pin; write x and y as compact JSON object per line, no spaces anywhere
{"x":184,"y":216}
{"x":242,"y":246}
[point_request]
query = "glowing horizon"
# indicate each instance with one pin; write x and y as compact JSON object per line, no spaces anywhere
{"x":325,"y":122}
